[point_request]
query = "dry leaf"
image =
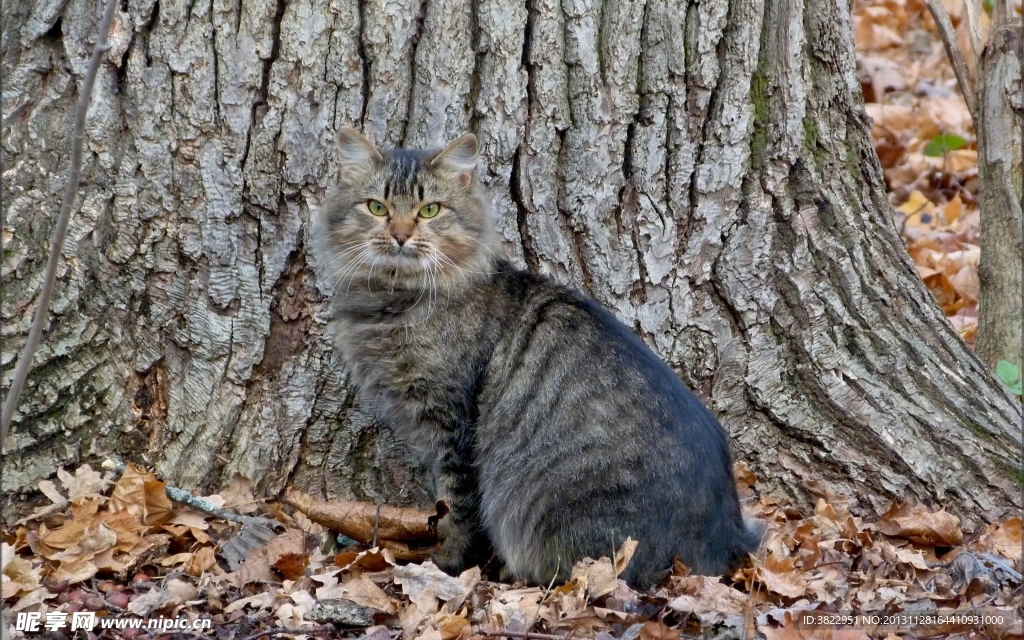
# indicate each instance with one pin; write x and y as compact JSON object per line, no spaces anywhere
{"x":656,"y":630}
{"x":375,"y":559}
{"x":360,"y":590}
{"x":917,"y":524}
{"x":85,"y":482}
{"x":257,"y":566}
{"x":600,"y":577}
{"x":238,"y":495}
{"x":141,"y":494}
{"x":1005,"y":539}
{"x":707,"y":598}
{"x":425,"y":584}
{"x":356,"y":519}
{"x":172,"y":593}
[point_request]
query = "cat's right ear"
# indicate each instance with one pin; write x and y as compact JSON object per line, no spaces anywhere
{"x":355,"y":153}
{"x":459,"y":159}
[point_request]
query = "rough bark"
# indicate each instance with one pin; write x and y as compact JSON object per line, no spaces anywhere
{"x":704,"y":169}
{"x":1000,"y":112}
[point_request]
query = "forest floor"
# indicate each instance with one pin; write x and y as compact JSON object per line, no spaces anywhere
{"x":926,"y":143}
{"x":111,"y":553}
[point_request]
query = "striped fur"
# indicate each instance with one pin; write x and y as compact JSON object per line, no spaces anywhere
{"x":555,"y":432}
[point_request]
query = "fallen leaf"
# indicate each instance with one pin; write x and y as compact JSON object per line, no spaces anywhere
{"x":357,"y":520}
{"x":918,"y":524}
{"x":657,"y":630}
{"x":141,"y":494}
{"x":425,"y":584}
{"x":257,"y":566}
{"x":1004,"y":538}
{"x":85,"y":482}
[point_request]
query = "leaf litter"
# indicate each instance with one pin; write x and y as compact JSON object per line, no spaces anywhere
{"x":119,"y":548}
{"x":926,"y":143}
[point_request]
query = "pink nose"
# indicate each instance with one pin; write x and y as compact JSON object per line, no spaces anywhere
{"x":400,"y":237}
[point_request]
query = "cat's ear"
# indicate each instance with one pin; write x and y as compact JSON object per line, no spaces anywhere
{"x":459,"y":158}
{"x":355,"y":153}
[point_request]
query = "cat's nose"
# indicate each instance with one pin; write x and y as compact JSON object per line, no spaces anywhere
{"x":400,"y":237}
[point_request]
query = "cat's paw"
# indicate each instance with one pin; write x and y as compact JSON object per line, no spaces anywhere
{"x":451,"y":561}
{"x":461,"y":547}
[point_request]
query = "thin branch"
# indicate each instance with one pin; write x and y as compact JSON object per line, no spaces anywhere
{"x":322,"y":629}
{"x":61,"y":230}
{"x":968,"y":86}
{"x":524,"y":635}
{"x":973,"y":15}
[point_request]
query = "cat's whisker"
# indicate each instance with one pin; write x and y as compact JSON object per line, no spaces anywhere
{"x":447,"y":281}
{"x":347,"y":262}
{"x":369,"y":274}
{"x":358,"y":262}
{"x":339,"y":263}
{"x":451,"y":262}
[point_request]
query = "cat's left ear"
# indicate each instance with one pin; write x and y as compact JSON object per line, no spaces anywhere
{"x":459,"y":158}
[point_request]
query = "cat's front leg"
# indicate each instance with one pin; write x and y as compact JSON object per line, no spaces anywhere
{"x":463,"y":542}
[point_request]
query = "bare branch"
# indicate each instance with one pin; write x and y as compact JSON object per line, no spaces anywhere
{"x":968,"y":86}
{"x":975,"y":11}
{"x":60,"y":232}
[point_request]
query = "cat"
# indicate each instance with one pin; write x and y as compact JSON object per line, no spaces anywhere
{"x":554,"y":431}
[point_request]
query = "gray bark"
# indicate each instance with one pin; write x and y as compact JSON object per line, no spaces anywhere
{"x":704,"y":169}
{"x":1000,"y":112}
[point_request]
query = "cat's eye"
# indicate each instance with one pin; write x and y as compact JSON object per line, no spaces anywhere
{"x":430,"y":210}
{"x":377,"y":207}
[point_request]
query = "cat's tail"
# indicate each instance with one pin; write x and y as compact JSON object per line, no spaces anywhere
{"x":748,"y":539}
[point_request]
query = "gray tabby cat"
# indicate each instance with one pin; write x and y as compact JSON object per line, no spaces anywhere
{"x":555,"y":431}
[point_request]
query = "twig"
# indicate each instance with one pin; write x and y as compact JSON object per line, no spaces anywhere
{"x":60,"y":232}
{"x":525,"y":635}
{"x":968,"y":86}
{"x":279,"y":630}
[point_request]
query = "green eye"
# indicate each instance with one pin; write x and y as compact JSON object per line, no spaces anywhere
{"x":430,"y":210}
{"x":377,"y":208}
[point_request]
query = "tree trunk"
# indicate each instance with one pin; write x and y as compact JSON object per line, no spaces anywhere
{"x":704,"y":169}
{"x":1000,"y":108}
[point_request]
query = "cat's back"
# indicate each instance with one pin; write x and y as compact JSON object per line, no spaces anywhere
{"x":586,"y":435}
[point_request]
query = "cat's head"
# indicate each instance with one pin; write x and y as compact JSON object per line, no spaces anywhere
{"x":407,"y":218}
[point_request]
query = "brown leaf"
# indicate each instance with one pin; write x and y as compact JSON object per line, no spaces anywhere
{"x":374,"y":559}
{"x":917,"y":524}
{"x":141,"y":494}
{"x":292,"y":565}
{"x":19,"y":576}
{"x":657,"y":630}
{"x":50,"y":491}
{"x":257,"y":566}
{"x":452,"y":627}
{"x":1005,"y":538}
{"x":356,"y":519}
{"x":359,"y":589}
{"x":600,"y":577}
{"x":707,"y":598}
{"x":779,"y":576}
{"x":201,"y":560}
{"x":238,"y":495}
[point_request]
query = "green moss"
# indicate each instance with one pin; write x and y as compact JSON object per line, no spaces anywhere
{"x":812,"y":143}
{"x":1015,"y":473}
{"x":760,"y":91}
{"x":759,"y":139}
